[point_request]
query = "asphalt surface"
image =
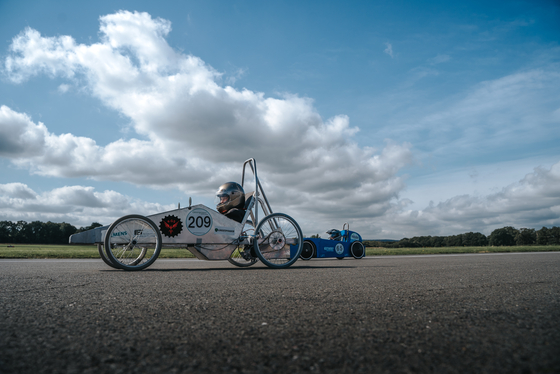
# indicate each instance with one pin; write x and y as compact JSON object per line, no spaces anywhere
{"x":494,"y":313}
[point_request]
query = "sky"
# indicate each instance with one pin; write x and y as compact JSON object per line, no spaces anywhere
{"x":401,"y":118}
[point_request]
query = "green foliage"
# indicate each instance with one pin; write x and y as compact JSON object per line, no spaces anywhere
{"x":503,"y":237}
{"x":548,"y":236}
{"x":506,"y":236}
{"x":35,"y":232}
{"x":526,"y":237}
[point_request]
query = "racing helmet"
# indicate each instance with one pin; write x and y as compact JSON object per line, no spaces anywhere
{"x":230,"y":195}
{"x":334,"y":235}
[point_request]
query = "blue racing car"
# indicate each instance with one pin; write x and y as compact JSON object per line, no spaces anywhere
{"x":340,"y":244}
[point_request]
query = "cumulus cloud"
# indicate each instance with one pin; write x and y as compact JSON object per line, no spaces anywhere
{"x":78,"y":205}
{"x":193,"y":132}
{"x":534,"y":201}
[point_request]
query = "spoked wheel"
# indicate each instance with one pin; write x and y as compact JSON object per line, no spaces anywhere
{"x":104,"y":256}
{"x":132,"y":242}
{"x":279,"y":241}
{"x":241,"y":256}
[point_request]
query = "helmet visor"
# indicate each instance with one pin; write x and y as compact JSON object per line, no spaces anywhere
{"x":221,"y":198}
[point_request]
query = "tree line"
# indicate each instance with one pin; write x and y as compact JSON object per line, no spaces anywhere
{"x":506,"y":236}
{"x":37,"y":232}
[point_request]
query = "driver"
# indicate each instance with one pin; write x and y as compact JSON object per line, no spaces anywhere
{"x":334,"y":235}
{"x":230,"y":200}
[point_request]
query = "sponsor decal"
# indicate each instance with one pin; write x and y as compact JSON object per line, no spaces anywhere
{"x":354,"y":237}
{"x":339,"y":249}
{"x":171,"y":226}
{"x":199,"y":222}
{"x":229,"y":230}
{"x":328,"y":249}
{"x":120,"y":233}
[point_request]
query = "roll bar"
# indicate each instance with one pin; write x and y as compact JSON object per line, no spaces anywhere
{"x":258,"y":190}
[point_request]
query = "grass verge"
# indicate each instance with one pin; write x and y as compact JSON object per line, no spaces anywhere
{"x":90,"y":251}
{"x":450,"y":250}
{"x":71,"y":251}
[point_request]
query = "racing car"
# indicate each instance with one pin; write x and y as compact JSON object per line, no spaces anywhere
{"x":340,"y":244}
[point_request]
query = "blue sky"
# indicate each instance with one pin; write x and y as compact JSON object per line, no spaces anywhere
{"x":403,"y":118}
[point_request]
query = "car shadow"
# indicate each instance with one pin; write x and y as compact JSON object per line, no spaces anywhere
{"x":294,"y":268}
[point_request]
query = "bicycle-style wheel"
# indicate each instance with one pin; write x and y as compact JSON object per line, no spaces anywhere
{"x":132,"y":242}
{"x":278,"y":241}
{"x":242,"y":256}
{"x":103,"y":256}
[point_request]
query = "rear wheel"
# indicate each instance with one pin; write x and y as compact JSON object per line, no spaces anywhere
{"x":132,"y":242}
{"x":357,"y":249}
{"x":308,"y":251}
{"x":104,"y":256}
{"x":278,"y":241}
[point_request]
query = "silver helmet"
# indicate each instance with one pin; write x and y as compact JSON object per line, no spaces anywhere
{"x":230,"y":195}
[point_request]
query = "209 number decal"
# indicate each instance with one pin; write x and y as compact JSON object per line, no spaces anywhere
{"x":199,"y":222}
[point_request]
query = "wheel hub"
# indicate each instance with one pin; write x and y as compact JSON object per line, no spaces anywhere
{"x":277,"y":241}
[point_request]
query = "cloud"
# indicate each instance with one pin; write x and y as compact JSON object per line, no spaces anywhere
{"x":193,"y":133}
{"x":389,"y":49}
{"x":508,"y":115}
{"x":19,"y":137}
{"x":439,"y":59}
{"x":77,"y":205}
{"x":63,"y":88}
{"x":532,"y":202}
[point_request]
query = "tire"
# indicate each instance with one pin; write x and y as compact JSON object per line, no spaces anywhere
{"x":104,"y":256}
{"x":241,"y":257}
{"x":358,"y":250}
{"x":132,"y":242}
{"x":276,"y":235}
{"x":308,"y":251}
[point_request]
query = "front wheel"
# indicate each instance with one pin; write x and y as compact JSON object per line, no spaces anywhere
{"x":278,"y":241}
{"x":132,"y":242}
{"x":242,"y":256}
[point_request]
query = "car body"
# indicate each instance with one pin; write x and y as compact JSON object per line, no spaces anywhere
{"x":350,"y":245}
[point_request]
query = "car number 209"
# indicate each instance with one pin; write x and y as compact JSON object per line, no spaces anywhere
{"x":199,"y":222}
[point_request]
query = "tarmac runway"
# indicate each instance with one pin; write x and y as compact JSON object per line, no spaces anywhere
{"x":491,"y":313}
